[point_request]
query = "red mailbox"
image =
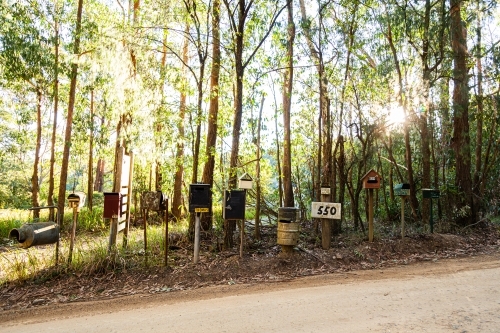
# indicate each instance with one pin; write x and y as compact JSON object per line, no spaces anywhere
{"x":112,"y":205}
{"x":371,"y":179}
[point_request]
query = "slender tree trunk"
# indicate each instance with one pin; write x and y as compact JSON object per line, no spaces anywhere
{"x":50,"y":194}
{"x":90,"y":181}
{"x":257,"y":174}
{"x":278,"y":158}
{"x":460,"y":103}
{"x":61,"y":198}
{"x":287,"y":102}
{"x":408,"y":152}
{"x":479,"y":114}
{"x":179,"y":156}
{"x":99,"y":176}
{"x":213,"y":113}
{"x":35,"y":187}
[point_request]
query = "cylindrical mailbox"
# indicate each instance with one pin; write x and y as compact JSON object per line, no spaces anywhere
{"x":33,"y":234}
{"x":288,"y":233}
{"x":288,"y":226}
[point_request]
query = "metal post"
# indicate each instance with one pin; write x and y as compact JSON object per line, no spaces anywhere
{"x":403,"y":217}
{"x":197,"y":238}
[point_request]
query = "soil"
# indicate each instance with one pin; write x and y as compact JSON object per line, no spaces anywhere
{"x":262,"y":262}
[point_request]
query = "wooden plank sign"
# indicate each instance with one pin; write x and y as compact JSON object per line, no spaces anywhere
{"x":326,"y":210}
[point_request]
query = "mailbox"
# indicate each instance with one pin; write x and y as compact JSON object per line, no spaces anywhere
{"x":155,"y":201}
{"x":429,"y":193}
{"x":402,"y":190}
{"x":371,"y":179}
{"x":245,"y":182}
{"x":234,"y":205}
{"x":200,"y":198}
{"x":112,"y":205}
{"x":76,"y":200}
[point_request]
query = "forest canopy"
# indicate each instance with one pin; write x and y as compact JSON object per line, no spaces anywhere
{"x":299,"y":94}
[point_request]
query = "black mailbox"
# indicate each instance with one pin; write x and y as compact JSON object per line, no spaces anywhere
{"x":112,"y":205}
{"x":200,"y":198}
{"x":430,"y":193}
{"x":234,"y":205}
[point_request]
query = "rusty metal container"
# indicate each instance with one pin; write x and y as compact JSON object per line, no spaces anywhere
{"x":288,"y":233}
{"x":32,"y":234}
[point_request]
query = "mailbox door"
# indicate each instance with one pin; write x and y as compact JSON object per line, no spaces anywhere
{"x":234,"y":205}
{"x":200,"y":196}
{"x":112,"y":205}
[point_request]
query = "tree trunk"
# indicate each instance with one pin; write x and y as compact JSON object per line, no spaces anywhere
{"x":257,"y":174}
{"x":287,"y":102}
{"x":210,"y":149}
{"x":479,"y":114}
{"x":50,"y":194}
{"x":99,"y":176}
{"x":403,"y":103}
{"x":460,"y":103}
{"x":35,"y":187}
{"x":61,"y":198}
{"x":91,"y":154}
{"x":179,"y":156}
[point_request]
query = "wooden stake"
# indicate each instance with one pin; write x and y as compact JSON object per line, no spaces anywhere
{"x":370,"y":215}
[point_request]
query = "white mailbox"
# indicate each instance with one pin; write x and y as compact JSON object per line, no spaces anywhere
{"x":245,"y":181}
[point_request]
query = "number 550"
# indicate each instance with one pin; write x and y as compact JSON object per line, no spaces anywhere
{"x":325,"y":210}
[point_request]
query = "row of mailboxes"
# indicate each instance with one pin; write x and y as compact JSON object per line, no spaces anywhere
{"x":200,"y":200}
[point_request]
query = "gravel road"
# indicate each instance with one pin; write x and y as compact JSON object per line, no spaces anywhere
{"x":459,"y":295}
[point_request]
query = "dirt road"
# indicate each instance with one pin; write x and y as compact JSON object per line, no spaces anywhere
{"x":460,"y":295}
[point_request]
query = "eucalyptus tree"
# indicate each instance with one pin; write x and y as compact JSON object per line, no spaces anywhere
{"x":250,"y":23}
{"x":287,"y":104}
{"x":26,"y":59}
{"x":393,"y":35}
{"x":466,"y":210}
{"x":213,"y":113}
{"x":426,"y":32}
{"x":69,"y":115}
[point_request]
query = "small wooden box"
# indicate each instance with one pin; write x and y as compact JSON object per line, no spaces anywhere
{"x":371,"y":179}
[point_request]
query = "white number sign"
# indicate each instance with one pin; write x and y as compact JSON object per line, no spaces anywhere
{"x":326,"y":210}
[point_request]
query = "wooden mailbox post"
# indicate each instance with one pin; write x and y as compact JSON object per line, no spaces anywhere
{"x":403,"y":191}
{"x":371,"y":180}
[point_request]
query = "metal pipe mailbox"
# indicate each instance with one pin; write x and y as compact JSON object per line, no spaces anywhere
{"x":32,"y":234}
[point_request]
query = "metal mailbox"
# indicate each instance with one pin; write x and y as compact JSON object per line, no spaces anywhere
{"x":200,"y":198}
{"x":32,"y":234}
{"x":155,"y":201}
{"x":234,"y":205}
{"x":429,"y":193}
{"x":76,"y":200}
{"x":402,"y":190}
{"x":112,"y":205}
{"x":371,"y":179}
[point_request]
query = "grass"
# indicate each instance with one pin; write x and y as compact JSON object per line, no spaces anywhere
{"x":90,"y":253}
